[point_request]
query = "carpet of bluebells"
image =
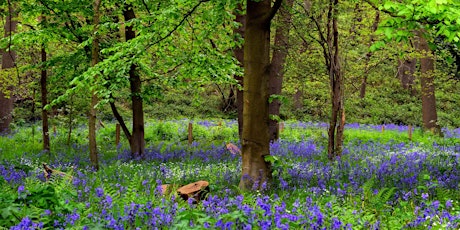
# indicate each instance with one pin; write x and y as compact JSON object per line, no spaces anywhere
{"x":376,"y":184}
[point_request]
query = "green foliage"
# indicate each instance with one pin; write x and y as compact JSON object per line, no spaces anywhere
{"x":40,"y":201}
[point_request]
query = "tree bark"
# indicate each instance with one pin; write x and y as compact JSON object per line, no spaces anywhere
{"x":44,"y":97}
{"x":337,"y":122}
{"x":277,"y":66}
{"x":94,"y":99}
{"x":137,"y":142}
{"x":8,"y":60}
{"x":406,"y":70}
{"x":238,"y":52}
{"x":429,"y":113}
{"x":256,"y":171}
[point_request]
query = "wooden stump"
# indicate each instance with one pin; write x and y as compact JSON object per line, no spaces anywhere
{"x":410,"y":132}
{"x":190,"y":133}
{"x":196,"y":190}
{"x":166,"y":189}
{"x":233,"y":149}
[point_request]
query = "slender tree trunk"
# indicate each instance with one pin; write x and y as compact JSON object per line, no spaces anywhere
{"x":256,"y":171}
{"x":406,"y":70}
{"x":44,"y":97}
{"x":94,"y":99}
{"x":137,"y":142}
{"x":277,"y":66}
{"x":337,"y":122}
{"x":8,"y":59}
{"x":429,"y":114}
{"x":239,"y":55}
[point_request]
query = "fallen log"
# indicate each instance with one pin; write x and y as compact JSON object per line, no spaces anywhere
{"x":50,"y":172}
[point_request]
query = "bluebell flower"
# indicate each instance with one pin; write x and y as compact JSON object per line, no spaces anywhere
{"x":99,"y":192}
{"x":424,"y":196}
{"x":449,"y":204}
{"x":21,"y":189}
{"x":336,"y":224}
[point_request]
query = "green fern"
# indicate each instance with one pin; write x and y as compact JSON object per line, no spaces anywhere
{"x":367,"y":188}
{"x":384,"y":195}
{"x":444,"y":194}
{"x":132,"y":189}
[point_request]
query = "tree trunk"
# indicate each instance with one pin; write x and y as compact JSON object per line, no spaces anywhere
{"x":429,"y":114}
{"x":406,"y":70}
{"x":94,"y":99}
{"x":256,"y":171}
{"x":44,"y":97}
{"x":136,"y":142}
{"x":337,"y":122}
{"x":239,"y":55}
{"x":277,"y":66}
{"x":8,"y":59}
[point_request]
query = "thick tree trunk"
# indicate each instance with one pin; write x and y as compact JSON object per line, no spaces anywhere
{"x":337,"y":122}
{"x":44,"y":97}
{"x":8,"y":59}
{"x":137,"y":142}
{"x":277,"y":66}
{"x":239,"y":55}
{"x":94,"y":99}
{"x":429,"y":114}
{"x":256,"y":171}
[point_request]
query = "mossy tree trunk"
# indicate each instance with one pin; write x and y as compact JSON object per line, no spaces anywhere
{"x":406,"y":70}
{"x":279,"y":54}
{"x":256,"y":171}
{"x":44,"y":98}
{"x":8,"y":59}
{"x":429,"y":113}
{"x":136,"y":141}
{"x":238,"y":52}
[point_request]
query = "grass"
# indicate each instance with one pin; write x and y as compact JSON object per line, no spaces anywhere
{"x":383,"y":181}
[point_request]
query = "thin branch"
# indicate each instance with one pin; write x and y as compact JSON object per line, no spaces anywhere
{"x":318,"y":26}
{"x":179,"y":24}
{"x":28,"y":25}
{"x":167,"y":72}
{"x":66,"y":23}
{"x":221,"y":93}
{"x":383,"y":10}
{"x":146,"y":7}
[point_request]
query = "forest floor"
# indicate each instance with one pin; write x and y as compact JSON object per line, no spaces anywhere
{"x":387,"y":178}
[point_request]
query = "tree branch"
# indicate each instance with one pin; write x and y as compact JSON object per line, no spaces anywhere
{"x":179,"y":24}
{"x":392,"y":14}
{"x":276,"y":6}
{"x":146,"y":7}
{"x":66,"y":23}
{"x":119,"y":118}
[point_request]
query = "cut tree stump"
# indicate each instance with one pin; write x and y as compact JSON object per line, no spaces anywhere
{"x":196,"y":190}
{"x":167,"y":189}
